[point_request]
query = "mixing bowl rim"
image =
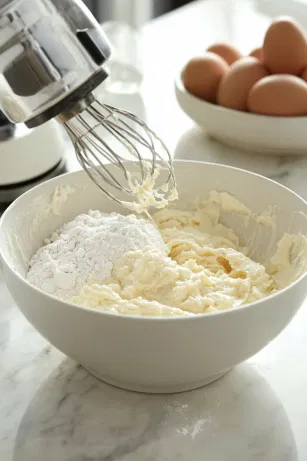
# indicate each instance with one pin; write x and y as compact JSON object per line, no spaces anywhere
{"x":96,"y":311}
{"x":233,"y":112}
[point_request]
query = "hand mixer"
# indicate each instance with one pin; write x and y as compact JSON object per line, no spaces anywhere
{"x":52,"y":54}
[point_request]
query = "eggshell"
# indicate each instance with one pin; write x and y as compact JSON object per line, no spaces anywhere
{"x":257,"y":53}
{"x":285,"y":47}
{"x":237,"y":83}
{"x":304,"y":74}
{"x":225,"y":51}
{"x":202,"y":75}
{"x":280,"y":95}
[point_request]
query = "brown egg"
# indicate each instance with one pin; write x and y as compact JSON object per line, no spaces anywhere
{"x":304,"y":75}
{"x":256,"y":53}
{"x":283,"y":95}
{"x":285,"y":47}
{"x":237,"y":83}
{"x":227,"y":52}
{"x":202,"y":75}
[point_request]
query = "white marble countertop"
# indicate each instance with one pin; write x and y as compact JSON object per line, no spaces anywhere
{"x":53,"y":410}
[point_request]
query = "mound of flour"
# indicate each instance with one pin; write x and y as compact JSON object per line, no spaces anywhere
{"x":84,"y":250}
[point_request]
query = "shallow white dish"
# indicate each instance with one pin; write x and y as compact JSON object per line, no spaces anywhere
{"x":152,"y":354}
{"x":245,"y":131}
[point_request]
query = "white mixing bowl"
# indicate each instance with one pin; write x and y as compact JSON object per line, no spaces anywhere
{"x":152,"y":354}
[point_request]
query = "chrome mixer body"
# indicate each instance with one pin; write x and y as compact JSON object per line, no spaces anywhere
{"x":52,"y":56}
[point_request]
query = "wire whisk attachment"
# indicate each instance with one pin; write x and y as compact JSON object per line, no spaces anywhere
{"x":103,"y":135}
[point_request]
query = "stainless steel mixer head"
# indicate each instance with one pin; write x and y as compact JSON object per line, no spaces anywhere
{"x":104,"y":135}
{"x":51,"y":58}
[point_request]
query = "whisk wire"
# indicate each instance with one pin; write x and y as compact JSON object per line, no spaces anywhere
{"x":133,"y":139}
{"x":83,"y":153}
{"x":101,"y":145}
{"x":119,"y":132}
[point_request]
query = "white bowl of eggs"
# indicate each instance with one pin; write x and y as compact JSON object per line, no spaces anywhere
{"x":256,"y":103}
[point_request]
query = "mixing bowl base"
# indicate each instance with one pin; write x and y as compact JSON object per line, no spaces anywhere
{"x":163,"y":389}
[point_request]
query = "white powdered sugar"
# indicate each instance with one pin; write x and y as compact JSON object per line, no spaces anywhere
{"x":84,"y":251}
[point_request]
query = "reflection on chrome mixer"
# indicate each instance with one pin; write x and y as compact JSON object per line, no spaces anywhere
{"x":49,"y":49}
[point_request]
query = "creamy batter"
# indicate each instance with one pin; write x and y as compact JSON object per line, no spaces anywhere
{"x":205,"y":269}
{"x":146,"y":193}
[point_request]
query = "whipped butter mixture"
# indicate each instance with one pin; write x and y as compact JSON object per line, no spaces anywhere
{"x":146,"y":193}
{"x":203,"y":270}
{"x":186,"y":263}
